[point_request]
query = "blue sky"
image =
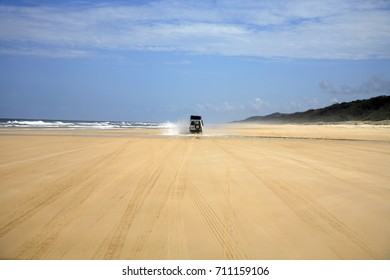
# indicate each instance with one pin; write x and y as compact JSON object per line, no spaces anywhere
{"x":164,"y":60}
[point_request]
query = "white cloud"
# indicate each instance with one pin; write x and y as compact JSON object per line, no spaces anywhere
{"x":255,"y":107}
{"x":334,"y":100}
{"x":258,"y":104}
{"x":376,"y":85}
{"x":294,"y":29}
{"x":220,"y":108}
{"x":226,"y":107}
{"x":45,"y":52}
{"x":179,"y":62}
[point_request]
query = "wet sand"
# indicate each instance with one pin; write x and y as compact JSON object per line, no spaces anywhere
{"x":237,"y":192}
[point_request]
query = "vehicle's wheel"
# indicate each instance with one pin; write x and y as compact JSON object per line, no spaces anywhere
{"x":197,"y":127}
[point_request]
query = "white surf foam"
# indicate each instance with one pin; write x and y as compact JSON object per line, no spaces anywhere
{"x":55,"y":124}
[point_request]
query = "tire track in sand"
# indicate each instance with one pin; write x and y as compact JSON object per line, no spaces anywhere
{"x":144,"y":187}
{"x":233,"y":234}
{"x":17,"y":166}
{"x":86,"y":183}
{"x":63,"y":185}
{"x":234,"y":244}
{"x":174,"y":203}
{"x":317,"y":218}
{"x":228,"y":234}
{"x":169,"y":205}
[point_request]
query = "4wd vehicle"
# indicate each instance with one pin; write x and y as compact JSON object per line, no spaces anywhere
{"x":196,"y":124}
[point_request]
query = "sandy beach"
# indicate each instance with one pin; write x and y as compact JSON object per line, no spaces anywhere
{"x":236,"y":192}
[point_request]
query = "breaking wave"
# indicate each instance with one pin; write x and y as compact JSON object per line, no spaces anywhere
{"x":62,"y":124}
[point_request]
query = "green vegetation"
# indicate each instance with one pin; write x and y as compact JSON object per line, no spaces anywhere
{"x":370,"y":110}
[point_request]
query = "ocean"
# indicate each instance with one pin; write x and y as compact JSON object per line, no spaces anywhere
{"x":72,"y":124}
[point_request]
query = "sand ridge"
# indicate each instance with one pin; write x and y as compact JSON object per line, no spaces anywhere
{"x":238,"y":192}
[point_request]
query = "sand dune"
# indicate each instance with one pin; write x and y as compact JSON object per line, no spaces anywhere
{"x":238,"y":192}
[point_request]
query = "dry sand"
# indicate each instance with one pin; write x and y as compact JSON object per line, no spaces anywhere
{"x":262,"y":192}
